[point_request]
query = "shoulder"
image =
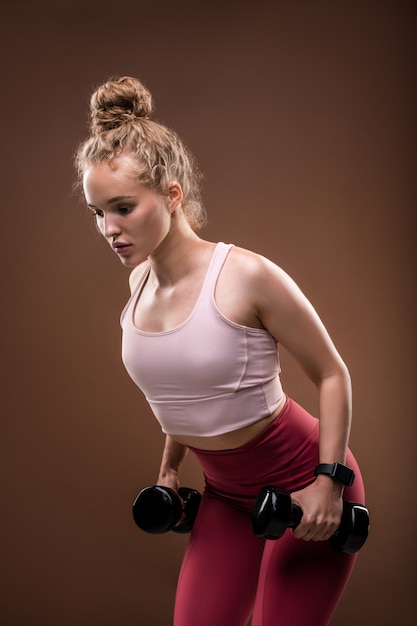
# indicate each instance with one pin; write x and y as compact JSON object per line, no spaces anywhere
{"x":136,"y":275}
{"x":265,"y":283}
{"x":254,"y":291}
{"x":255,"y":268}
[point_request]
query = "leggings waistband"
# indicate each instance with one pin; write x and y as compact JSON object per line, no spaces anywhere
{"x":284,"y":454}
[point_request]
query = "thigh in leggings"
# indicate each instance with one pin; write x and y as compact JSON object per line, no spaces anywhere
{"x":219,"y":575}
{"x":227,"y":572}
{"x":300,"y":583}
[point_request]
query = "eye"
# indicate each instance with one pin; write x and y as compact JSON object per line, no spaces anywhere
{"x":124,"y":210}
{"x":96,"y":213}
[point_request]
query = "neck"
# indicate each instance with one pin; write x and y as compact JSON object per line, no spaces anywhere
{"x":177,"y":256}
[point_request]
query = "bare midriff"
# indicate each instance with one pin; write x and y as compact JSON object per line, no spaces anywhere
{"x":233,"y":439}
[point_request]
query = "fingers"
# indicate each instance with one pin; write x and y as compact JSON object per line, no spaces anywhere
{"x":315,"y":527}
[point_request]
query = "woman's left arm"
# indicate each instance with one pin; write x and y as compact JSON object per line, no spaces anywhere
{"x":291,"y":319}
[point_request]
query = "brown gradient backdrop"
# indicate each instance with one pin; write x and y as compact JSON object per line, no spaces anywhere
{"x":301,"y":115}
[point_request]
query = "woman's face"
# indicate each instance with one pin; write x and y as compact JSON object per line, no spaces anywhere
{"x":133,"y":219}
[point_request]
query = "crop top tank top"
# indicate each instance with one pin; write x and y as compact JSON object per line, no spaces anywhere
{"x":207,"y":376}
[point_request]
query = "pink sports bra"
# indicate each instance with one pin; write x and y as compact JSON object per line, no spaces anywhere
{"x":207,"y":376}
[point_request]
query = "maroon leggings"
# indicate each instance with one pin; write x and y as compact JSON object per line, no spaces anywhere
{"x":229,"y":574}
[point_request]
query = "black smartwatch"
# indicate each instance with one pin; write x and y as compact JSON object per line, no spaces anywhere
{"x":340,"y":473}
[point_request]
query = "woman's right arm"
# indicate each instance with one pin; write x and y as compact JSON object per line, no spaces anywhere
{"x":173,"y":455}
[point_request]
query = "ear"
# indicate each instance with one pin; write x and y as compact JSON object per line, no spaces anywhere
{"x":175,"y":195}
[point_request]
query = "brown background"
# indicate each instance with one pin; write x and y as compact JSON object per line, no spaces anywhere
{"x":302,"y":117}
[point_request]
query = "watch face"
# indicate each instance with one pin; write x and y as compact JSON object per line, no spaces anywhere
{"x":343,"y":474}
{"x":337,"y":471}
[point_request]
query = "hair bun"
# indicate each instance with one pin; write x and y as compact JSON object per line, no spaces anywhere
{"x":119,"y":101}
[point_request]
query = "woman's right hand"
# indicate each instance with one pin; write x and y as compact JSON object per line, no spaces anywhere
{"x":172,"y":458}
{"x":169,"y":479}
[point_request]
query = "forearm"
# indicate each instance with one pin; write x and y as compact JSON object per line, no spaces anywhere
{"x":172,"y":457}
{"x":321,"y":500}
{"x":335,"y":412}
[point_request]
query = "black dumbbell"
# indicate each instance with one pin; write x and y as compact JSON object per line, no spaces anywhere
{"x":158,"y":509}
{"x":273,"y":512}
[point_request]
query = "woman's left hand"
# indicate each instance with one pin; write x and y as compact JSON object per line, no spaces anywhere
{"x":322,"y":505}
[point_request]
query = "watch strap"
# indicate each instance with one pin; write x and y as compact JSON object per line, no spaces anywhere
{"x":339,"y":472}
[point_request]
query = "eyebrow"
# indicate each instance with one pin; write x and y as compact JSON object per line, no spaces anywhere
{"x":115,"y":199}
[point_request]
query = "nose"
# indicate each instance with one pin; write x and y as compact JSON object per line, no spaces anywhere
{"x":110,"y":226}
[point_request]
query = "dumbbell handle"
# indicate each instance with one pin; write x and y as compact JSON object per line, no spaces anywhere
{"x":274,"y":512}
{"x":296,"y":515}
{"x":352,"y":531}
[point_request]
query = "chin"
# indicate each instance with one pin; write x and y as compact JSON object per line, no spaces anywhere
{"x":132,"y":262}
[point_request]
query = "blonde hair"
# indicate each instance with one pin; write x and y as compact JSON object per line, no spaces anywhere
{"x":120,"y":123}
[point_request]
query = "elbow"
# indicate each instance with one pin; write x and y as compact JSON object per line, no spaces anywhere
{"x":338,"y":374}
{"x":344,"y":373}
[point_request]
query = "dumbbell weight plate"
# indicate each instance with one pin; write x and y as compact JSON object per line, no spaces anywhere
{"x":157,"y":509}
{"x":353,"y":530}
{"x":191,"y":499}
{"x":273,"y":513}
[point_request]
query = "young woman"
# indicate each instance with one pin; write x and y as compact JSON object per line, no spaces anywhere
{"x":200,"y":339}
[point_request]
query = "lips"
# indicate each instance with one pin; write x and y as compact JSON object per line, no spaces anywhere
{"x":120,"y":247}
